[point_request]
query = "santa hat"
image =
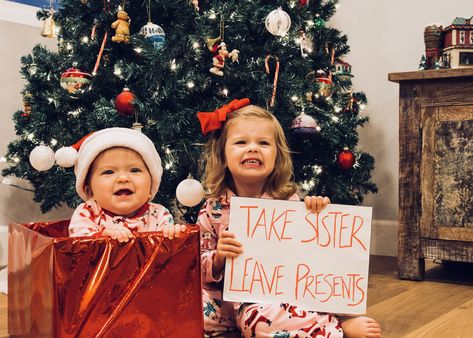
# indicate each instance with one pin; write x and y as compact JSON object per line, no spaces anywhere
{"x":83,"y":153}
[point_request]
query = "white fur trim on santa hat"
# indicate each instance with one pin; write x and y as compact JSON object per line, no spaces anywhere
{"x":104,"y":139}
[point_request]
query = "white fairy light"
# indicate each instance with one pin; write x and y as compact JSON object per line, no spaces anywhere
{"x":75,"y":113}
{"x":338,"y":109}
{"x":318,"y":128}
{"x":173,"y":64}
{"x":310,"y":23}
{"x":50,"y":100}
{"x":30,"y":136}
{"x":196,"y":45}
{"x":212,"y":15}
{"x":167,"y":151}
{"x":85,"y":39}
{"x":294,"y":98}
{"x":138,"y":50}
{"x":117,"y":71}
{"x":69,"y":46}
{"x":16,"y":159}
{"x":225,"y":91}
{"x":362,"y":106}
{"x":94,"y":73}
{"x":335,"y":118}
{"x":190,"y":85}
{"x":317,"y":169}
{"x":168,"y":165}
{"x":53,"y":142}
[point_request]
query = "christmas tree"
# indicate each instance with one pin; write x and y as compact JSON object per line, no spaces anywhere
{"x":157,"y":63}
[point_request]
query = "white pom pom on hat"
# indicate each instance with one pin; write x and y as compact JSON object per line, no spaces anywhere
{"x":84,"y":152}
{"x":67,"y":156}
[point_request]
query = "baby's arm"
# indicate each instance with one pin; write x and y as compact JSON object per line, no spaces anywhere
{"x":165,"y":222}
{"x":361,"y":327}
{"x":82,"y":222}
{"x":316,"y":203}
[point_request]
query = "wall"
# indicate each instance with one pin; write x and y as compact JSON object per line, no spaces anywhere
{"x":384,"y":35}
{"x":20,"y":32}
{"x":387,"y":36}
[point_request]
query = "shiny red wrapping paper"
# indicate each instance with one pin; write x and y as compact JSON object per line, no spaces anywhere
{"x":96,"y":287}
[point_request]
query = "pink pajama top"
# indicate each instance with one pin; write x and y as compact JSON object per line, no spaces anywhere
{"x":89,"y":219}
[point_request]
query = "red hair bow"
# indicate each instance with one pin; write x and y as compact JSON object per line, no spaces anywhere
{"x":210,"y":121}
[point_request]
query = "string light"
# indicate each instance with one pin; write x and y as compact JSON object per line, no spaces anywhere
{"x":173,"y":64}
{"x":138,"y":50}
{"x":310,"y":23}
{"x":196,"y":45}
{"x":50,"y":100}
{"x":335,"y":118}
{"x":85,"y":39}
{"x":117,"y":71}
{"x":190,"y":84}
{"x":69,"y":46}
{"x":75,"y":113}
{"x":212,"y":15}
{"x":53,"y":142}
{"x":338,"y":109}
{"x":317,"y":169}
{"x":225,"y":91}
{"x":294,"y":98}
{"x":30,"y":136}
{"x":362,"y":106}
{"x":16,"y":159}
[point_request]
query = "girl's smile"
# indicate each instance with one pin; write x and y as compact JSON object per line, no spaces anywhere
{"x":250,"y":153}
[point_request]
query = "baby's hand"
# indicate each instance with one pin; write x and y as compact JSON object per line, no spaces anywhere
{"x":173,"y":230}
{"x":120,"y":233}
{"x":316,"y":203}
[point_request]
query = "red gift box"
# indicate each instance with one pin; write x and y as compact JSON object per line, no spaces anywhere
{"x":60,"y":286}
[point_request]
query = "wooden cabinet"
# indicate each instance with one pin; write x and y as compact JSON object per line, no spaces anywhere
{"x":435,"y":168}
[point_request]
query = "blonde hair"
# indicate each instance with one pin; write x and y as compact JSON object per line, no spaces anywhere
{"x":217,"y":177}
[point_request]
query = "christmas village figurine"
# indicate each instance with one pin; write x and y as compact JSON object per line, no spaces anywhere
{"x":220,"y":53}
{"x":343,"y":70}
{"x":449,"y":47}
{"x":122,"y":27}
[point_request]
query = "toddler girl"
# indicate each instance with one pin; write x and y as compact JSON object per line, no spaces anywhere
{"x":247,"y":156}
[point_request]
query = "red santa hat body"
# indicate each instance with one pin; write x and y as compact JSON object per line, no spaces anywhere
{"x":93,"y":144}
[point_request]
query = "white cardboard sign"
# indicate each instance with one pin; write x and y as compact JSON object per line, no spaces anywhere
{"x":316,"y":261}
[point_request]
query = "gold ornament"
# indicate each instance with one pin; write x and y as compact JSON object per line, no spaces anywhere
{"x":49,"y":26}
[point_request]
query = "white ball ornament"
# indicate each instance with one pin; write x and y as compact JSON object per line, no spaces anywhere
{"x":42,"y":158}
{"x":278,"y":22}
{"x":66,"y":157}
{"x":154,"y":33}
{"x":189,"y":192}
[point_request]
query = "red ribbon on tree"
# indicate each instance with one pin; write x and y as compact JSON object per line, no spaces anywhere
{"x":210,"y":121}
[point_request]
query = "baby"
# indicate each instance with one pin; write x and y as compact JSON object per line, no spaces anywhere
{"x":118,"y":172}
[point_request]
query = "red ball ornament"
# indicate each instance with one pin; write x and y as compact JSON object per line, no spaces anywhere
{"x":346,"y":159}
{"x":124,"y":103}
